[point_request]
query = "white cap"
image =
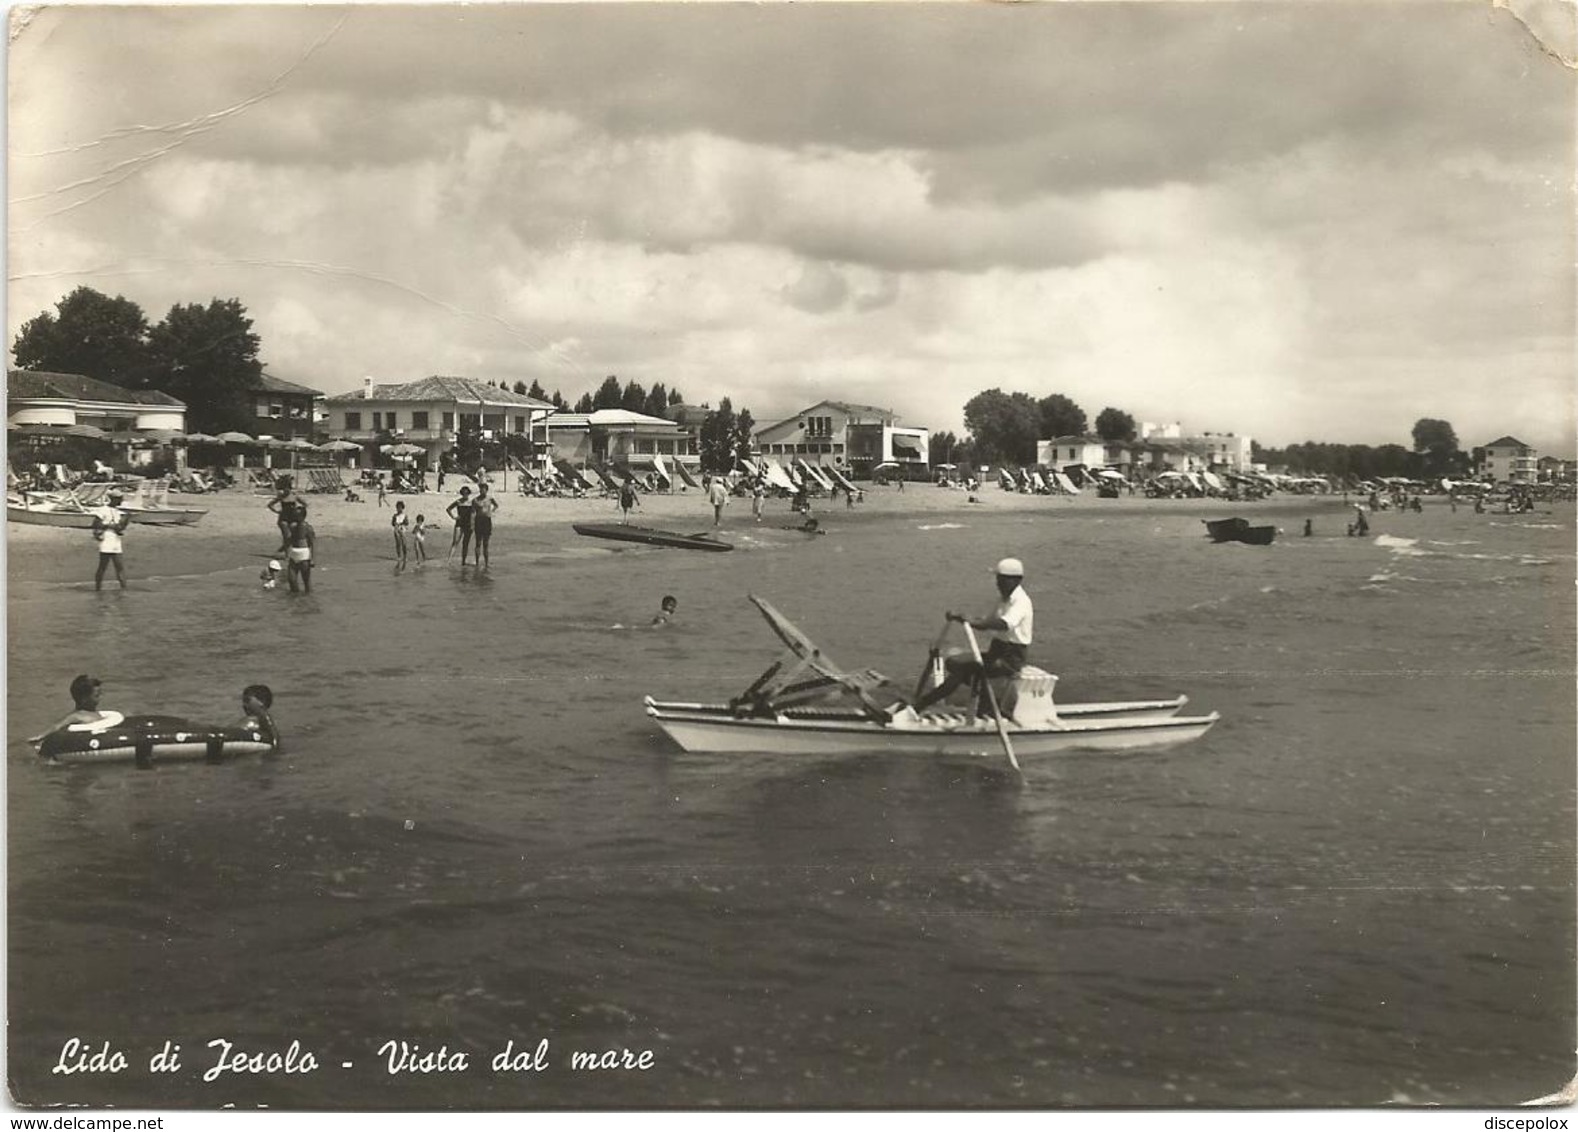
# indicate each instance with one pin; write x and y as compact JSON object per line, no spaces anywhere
{"x":273,"y":564}
{"x":1011,"y":568}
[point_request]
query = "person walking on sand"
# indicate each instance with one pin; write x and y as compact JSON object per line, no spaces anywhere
{"x":482,"y":524}
{"x":109,"y":524}
{"x":382,"y":489}
{"x":461,"y":511}
{"x":628,"y":499}
{"x":1011,"y":624}
{"x":718,"y":496}
{"x":758,"y":495}
{"x":400,"y":524}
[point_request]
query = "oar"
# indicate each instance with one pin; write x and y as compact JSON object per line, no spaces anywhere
{"x":991,"y":698}
{"x":931,"y":656}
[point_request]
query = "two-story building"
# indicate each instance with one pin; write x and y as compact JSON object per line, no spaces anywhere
{"x":285,"y":410}
{"x":1063,"y":452}
{"x":1169,"y":443}
{"x":433,"y":412}
{"x":1508,"y":460}
{"x":854,"y":438}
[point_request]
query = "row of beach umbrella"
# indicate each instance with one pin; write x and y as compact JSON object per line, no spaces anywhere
{"x":175,"y":436}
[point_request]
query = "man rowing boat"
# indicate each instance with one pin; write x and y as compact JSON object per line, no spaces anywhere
{"x":1010,"y":624}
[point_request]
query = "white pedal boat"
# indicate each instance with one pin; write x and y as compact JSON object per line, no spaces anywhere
{"x":788,"y":712}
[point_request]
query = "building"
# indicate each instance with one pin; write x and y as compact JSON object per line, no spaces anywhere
{"x":433,"y":412}
{"x":1507,"y":460}
{"x":284,"y":409}
{"x":1062,"y":452}
{"x":1168,"y":443}
{"x":1553,"y":469}
{"x":618,"y":438}
{"x":855,"y":438}
{"x":34,"y":397}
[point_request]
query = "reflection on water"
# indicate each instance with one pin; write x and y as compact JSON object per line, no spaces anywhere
{"x":475,"y":835}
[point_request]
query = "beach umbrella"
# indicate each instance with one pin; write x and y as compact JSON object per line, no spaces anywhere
{"x":87,"y":431}
{"x":401,"y":449}
{"x":301,"y":444}
{"x":201,"y":438}
{"x":235,"y":438}
{"x":340,"y":446}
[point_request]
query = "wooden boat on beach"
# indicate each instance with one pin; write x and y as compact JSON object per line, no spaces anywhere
{"x":804,"y":704}
{"x":144,"y":502}
{"x":624,"y":532}
{"x":1239,"y":530}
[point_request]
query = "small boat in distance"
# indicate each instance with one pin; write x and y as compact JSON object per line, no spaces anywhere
{"x":624,"y":532}
{"x":1239,"y":530}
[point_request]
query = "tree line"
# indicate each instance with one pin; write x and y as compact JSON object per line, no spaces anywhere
{"x":1435,"y":453}
{"x":207,"y":357}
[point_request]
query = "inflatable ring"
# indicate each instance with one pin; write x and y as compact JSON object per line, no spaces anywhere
{"x":146,"y":739}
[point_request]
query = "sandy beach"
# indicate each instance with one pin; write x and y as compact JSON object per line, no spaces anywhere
{"x":238,"y":522}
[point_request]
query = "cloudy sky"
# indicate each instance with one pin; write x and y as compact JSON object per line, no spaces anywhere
{"x":1292,"y":220}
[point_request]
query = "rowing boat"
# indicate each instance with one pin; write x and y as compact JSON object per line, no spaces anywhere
{"x":621,"y":532}
{"x":804,"y":704}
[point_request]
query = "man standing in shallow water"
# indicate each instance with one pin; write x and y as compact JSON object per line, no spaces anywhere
{"x":1011,"y":623}
{"x":717,"y":495}
{"x":109,"y":523}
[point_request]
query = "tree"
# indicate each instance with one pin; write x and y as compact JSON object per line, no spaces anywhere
{"x":519,"y":387}
{"x":609,"y":394}
{"x":208,"y":358}
{"x":536,"y":391}
{"x":92,"y":334}
{"x":717,"y":438}
{"x":1060,"y":417}
{"x":744,"y":431}
{"x":633,"y":398}
{"x":675,"y":397}
{"x":657,"y":401}
{"x":941,"y":447}
{"x":1436,"y":443}
{"x":585,"y":404}
{"x":1115,"y":426}
{"x":558,"y":401}
{"x":1004,"y":426}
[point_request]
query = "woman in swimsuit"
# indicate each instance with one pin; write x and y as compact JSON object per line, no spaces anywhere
{"x":484,"y":507}
{"x":461,"y":511}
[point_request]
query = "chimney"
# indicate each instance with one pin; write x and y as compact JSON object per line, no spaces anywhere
{"x":367,"y":387}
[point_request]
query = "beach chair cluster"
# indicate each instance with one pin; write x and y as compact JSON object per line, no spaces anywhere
{"x":324,"y":480}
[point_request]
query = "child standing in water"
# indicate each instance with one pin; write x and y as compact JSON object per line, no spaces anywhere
{"x":299,"y":557}
{"x":400,"y":524}
{"x":419,"y":538}
{"x":270,"y":575}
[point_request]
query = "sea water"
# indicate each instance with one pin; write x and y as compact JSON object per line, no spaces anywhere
{"x":1356,"y":889}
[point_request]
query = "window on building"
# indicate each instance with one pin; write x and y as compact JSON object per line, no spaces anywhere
{"x":389,"y":421}
{"x":520,"y":424}
{"x":276,"y":409}
{"x":495,"y":421}
{"x":353,"y":421}
{"x":448,"y":420}
{"x":419,"y":420}
{"x":470,"y":422}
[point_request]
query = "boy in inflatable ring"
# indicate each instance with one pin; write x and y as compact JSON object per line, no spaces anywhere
{"x":85,"y":694}
{"x":256,"y":700}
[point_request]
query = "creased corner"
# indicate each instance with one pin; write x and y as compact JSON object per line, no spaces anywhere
{"x":1553,"y":25}
{"x":21,"y":16}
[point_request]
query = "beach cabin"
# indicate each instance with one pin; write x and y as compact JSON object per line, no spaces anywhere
{"x":621,"y":440}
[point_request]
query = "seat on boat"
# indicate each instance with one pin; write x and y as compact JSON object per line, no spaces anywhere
{"x":1027,"y":699}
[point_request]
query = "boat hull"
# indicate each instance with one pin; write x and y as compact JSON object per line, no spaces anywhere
{"x":39,"y":517}
{"x":1126,"y":711}
{"x":166,"y":517}
{"x":977,"y":739}
{"x":151,"y":739}
{"x":620,"y":532}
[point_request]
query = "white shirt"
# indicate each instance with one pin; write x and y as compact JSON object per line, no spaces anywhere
{"x":1018,"y":614}
{"x":111,"y":518}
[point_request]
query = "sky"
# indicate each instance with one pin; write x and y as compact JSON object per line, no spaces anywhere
{"x":1300,"y":221}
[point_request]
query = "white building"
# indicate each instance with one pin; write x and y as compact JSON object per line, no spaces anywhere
{"x":853,"y":437}
{"x":1509,"y":460}
{"x":433,"y":412}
